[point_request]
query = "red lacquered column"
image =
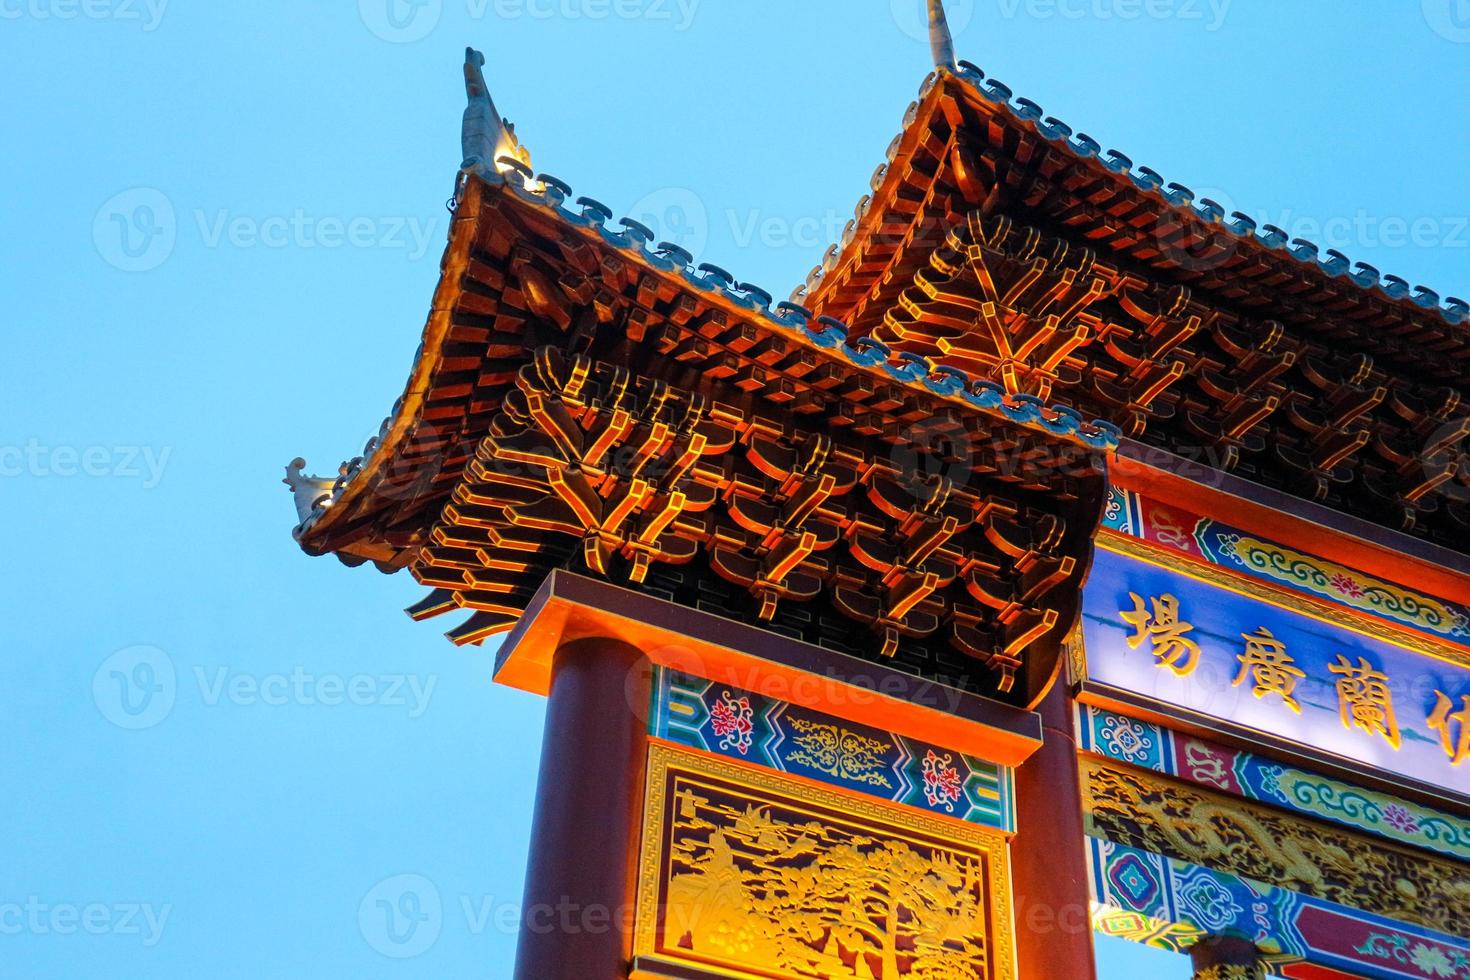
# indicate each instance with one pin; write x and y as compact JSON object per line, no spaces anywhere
{"x":578,"y":912}
{"x":1049,"y":855}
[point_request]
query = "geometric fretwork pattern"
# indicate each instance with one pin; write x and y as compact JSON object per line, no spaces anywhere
{"x":590,"y":467}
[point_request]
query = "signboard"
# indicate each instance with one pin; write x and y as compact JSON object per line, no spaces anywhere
{"x":1225,"y":655}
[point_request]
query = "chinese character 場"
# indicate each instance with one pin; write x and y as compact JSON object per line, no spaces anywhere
{"x":1271,"y":667}
{"x":1166,"y":631}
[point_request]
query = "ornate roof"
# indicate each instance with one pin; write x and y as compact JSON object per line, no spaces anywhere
{"x":587,"y":399}
{"x":998,"y":240}
{"x":397,"y":462}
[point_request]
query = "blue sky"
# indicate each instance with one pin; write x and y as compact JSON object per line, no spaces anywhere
{"x":222,"y":229}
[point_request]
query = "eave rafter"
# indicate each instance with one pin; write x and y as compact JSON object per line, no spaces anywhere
{"x":593,"y":404}
{"x":1204,"y":336}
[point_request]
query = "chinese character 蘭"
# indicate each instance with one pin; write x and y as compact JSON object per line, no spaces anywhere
{"x":1445,"y":723}
{"x":1364,"y":699}
{"x":1270,"y":666}
{"x":1165,"y":630}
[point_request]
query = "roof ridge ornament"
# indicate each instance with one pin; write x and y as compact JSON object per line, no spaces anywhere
{"x":490,"y":146}
{"x":941,"y":41}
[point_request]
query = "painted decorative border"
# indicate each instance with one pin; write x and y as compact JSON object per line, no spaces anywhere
{"x":1205,"y":539}
{"x":670,"y":769}
{"x":1170,"y":904}
{"x":1168,"y":817}
{"x":1156,"y":748}
{"x":748,"y":727}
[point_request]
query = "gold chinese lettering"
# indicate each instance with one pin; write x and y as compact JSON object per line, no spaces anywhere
{"x":1165,"y":630}
{"x":1458,"y":749}
{"x":1271,"y":668}
{"x":1364,"y":699}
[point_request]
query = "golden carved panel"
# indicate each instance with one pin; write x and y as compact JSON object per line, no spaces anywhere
{"x":1231,"y":973}
{"x":751,"y":874}
{"x":1164,"y":816}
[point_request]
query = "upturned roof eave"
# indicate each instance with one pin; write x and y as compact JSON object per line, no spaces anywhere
{"x":338,"y":516}
{"x":994,"y":101}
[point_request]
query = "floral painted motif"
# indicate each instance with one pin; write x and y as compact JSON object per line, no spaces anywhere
{"x":1430,"y":959}
{"x":1127,"y":739}
{"x":1253,"y":777}
{"x":942,"y":783}
{"x":1309,"y":573}
{"x":845,"y":755}
{"x":733,"y":720}
{"x":1400,"y":819}
{"x":783,"y":737}
{"x":1130,"y":513}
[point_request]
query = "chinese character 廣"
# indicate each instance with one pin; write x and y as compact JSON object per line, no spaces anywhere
{"x":1445,"y":723}
{"x":1165,"y":630}
{"x":1270,"y":666}
{"x":1364,"y":699}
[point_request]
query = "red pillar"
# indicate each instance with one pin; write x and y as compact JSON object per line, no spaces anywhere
{"x":578,"y":910}
{"x":1049,"y":855}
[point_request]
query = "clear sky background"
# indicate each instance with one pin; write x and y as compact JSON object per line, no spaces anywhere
{"x":222,"y":227}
